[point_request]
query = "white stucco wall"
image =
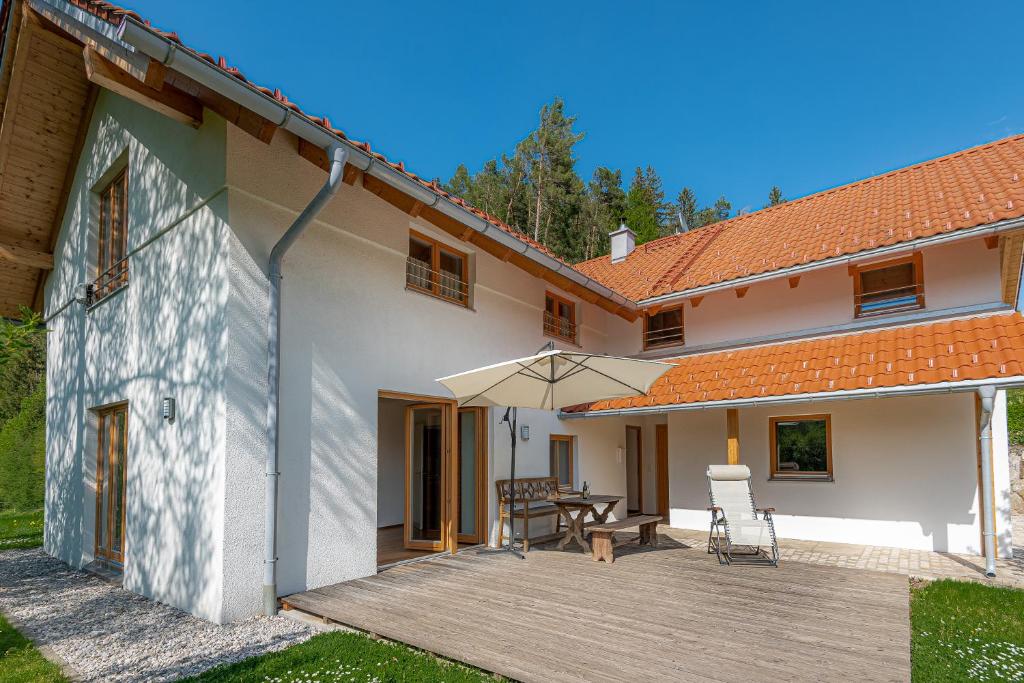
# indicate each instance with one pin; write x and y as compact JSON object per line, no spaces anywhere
{"x":352,"y":329}
{"x":163,"y":335}
{"x":958,"y":274}
{"x":905,"y":472}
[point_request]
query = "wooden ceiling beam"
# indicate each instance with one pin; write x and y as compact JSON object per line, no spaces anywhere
{"x":26,"y":257}
{"x":168,"y":101}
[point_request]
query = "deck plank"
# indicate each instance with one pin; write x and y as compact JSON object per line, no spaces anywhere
{"x":655,"y":614}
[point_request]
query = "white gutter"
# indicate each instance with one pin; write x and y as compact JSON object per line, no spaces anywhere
{"x":968,"y":233}
{"x":849,"y":394}
{"x":987,"y":395}
{"x":188,"y":63}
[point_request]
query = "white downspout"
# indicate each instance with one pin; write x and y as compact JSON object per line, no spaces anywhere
{"x":988,"y":396}
{"x":338,"y":155}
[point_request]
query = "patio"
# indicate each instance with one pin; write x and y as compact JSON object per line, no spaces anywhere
{"x":665,"y":613}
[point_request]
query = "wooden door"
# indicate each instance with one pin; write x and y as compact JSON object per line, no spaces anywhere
{"x":428,"y":471}
{"x":471,"y":484}
{"x":661,"y":461}
{"x":111,"y":479}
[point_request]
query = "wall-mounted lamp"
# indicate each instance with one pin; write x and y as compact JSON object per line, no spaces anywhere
{"x":168,"y":409}
{"x":524,"y":432}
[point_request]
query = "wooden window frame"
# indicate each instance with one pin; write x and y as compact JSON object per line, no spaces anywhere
{"x":682,"y":332}
{"x":572,"y":318}
{"x":553,"y":465}
{"x":112,"y":239}
{"x":785,"y":475}
{"x":435,"y":266}
{"x":105,"y":422}
{"x":857,"y":270}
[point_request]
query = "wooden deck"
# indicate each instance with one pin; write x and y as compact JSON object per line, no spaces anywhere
{"x":670,"y":613}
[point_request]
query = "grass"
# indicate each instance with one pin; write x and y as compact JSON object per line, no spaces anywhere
{"x":344,"y":656}
{"x":21,"y":529}
{"x":21,"y":662}
{"x":964,"y":631}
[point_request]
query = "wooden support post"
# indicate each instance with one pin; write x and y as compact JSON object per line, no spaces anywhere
{"x":732,"y":429}
{"x":170,"y":102}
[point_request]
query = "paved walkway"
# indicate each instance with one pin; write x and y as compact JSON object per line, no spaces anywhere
{"x":914,"y":563}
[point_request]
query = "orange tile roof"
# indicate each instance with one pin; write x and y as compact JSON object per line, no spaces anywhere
{"x":963,"y":190}
{"x":949,"y":351}
{"x":114,"y":14}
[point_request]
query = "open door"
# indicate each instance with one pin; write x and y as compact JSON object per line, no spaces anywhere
{"x":661,"y":462}
{"x":427,"y":462}
{"x":445,"y":476}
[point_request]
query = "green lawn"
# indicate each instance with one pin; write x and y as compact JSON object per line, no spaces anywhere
{"x":344,"y":656}
{"x":21,"y":529}
{"x":20,"y":661}
{"x":967,"y":632}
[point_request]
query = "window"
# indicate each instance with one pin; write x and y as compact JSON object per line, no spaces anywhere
{"x":801,"y":447}
{"x":561,"y":460}
{"x":437,"y":269}
{"x":559,"y":318}
{"x":112,"y":234}
{"x":888,"y":287}
{"x":664,"y":328}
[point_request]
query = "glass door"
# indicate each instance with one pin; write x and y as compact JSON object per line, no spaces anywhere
{"x":472,"y":492}
{"x":111,"y":471}
{"x":427,"y":452}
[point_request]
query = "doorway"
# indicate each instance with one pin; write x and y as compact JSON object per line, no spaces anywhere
{"x":661,"y":462}
{"x":111,"y":480}
{"x":431,"y":476}
{"x":634,"y":470}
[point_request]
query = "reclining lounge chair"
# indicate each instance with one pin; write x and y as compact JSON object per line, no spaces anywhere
{"x":738,"y":528}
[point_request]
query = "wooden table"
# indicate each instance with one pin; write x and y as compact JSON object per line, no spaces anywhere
{"x":582,"y":507}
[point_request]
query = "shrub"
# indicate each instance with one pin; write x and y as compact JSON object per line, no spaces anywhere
{"x":23,"y":454}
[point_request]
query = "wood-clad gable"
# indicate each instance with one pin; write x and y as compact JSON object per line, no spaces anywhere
{"x":46,"y":97}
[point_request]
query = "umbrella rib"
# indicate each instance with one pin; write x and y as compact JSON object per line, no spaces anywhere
{"x":617,"y":381}
{"x":536,"y":375}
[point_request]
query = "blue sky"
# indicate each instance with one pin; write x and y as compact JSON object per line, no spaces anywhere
{"x":729,"y":98}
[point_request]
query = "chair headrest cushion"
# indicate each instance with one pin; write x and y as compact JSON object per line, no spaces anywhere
{"x":728,"y":472}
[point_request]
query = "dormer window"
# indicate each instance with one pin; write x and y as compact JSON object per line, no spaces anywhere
{"x":664,"y":328}
{"x":888,"y":287}
{"x":559,"y":318}
{"x":439,"y":270}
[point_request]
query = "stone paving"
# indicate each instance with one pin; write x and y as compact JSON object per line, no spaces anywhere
{"x":920,"y":564}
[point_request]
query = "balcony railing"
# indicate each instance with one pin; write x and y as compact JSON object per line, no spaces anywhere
{"x":666,"y":336}
{"x":906,"y":298}
{"x":112,"y":279}
{"x":562,"y":328}
{"x":420,"y":276}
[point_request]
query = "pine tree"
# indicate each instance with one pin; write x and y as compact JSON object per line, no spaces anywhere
{"x":775,"y":196}
{"x":686,"y":206}
{"x":643,"y":206}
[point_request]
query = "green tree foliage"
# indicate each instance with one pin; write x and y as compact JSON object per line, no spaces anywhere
{"x":22,"y":361}
{"x":538,"y":191}
{"x":23,"y":454}
{"x":775,"y":197}
{"x":1015,"y":415}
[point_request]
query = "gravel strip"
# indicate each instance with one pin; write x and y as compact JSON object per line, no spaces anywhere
{"x":104,"y":633}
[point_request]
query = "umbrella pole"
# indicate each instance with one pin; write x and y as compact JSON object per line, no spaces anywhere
{"x":510,"y":548}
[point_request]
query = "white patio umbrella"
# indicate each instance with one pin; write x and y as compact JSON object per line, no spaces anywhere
{"x":549,"y":381}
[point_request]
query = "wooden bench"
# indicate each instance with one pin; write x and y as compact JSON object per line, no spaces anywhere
{"x":602,"y":536}
{"x":532,"y":500}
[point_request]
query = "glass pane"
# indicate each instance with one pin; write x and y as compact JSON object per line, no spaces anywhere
{"x":802,"y":446}
{"x":451,"y":276}
{"x":665,"y":327}
{"x":119,"y":458}
{"x":561,"y":461}
{"x":889,"y":287}
{"x":425,"y":494}
{"x":418,"y":269}
{"x":102,"y":484}
{"x":467,"y":471}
